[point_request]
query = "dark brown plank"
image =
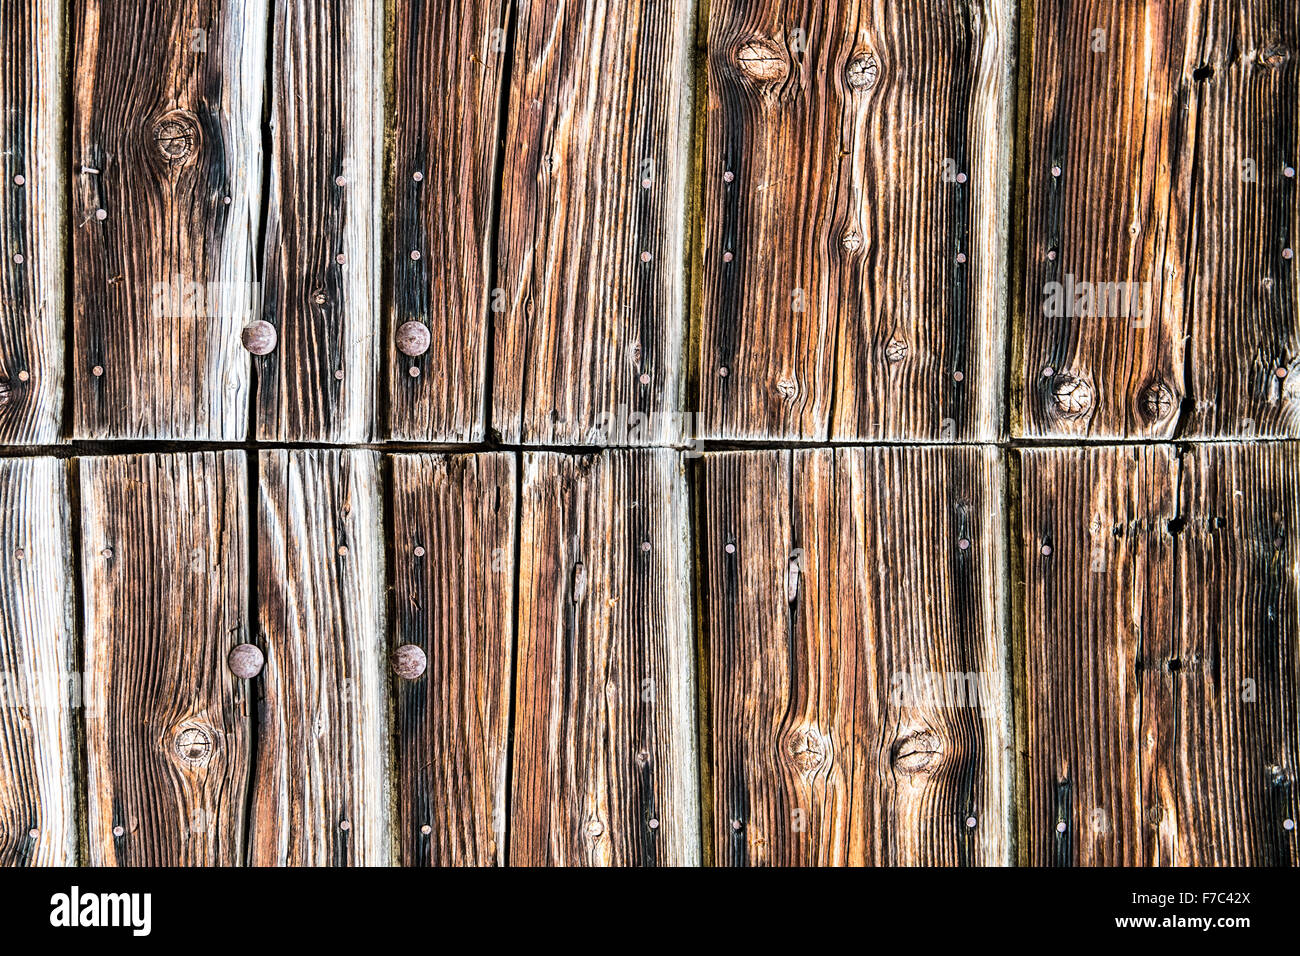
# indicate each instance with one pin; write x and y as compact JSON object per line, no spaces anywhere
{"x":837,"y":585}
{"x":454,"y":572}
{"x":164,"y":552}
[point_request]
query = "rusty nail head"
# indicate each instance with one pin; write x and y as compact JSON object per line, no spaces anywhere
{"x":646,"y":184}
{"x":722,"y":372}
{"x":1287,"y":253}
{"x":654,"y":824}
{"x":1281,"y":373}
{"x":1061,"y":827}
{"x":414,"y":372}
{"x":736,"y":824}
{"x":426,"y":829}
{"x":413,"y":338}
{"x":23,"y":375}
{"x":19,"y":180}
{"x":970,"y":821}
{"x":118,"y":831}
{"x":1288,"y":173}
{"x":259,"y":337}
{"x":101,"y":214}
{"x":961,"y":177}
{"x":1047,"y":549}
{"x":417,"y":176}
{"x":727,"y":257}
{"x":645,"y":378}
{"x":340,"y":258}
{"x":245,"y":660}
{"x":343,"y":550}
{"x":1048,"y":372}
{"x":645,"y":545}
{"x":340,"y":181}
{"x":645,"y":257}
{"x":33,"y":833}
{"x":345,"y":825}
{"x":961,"y":257}
{"x":731,"y":548}
{"x":728,"y":176}
{"x":957,"y":376}
{"x":107,"y":552}
{"x":226,"y":200}
{"x":1056,"y":171}
{"x":419,"y":551}
{"x":19,"y":554}
{"x":1288,"y":824}
{"x":415,"y":253}
{"x":409,"y":661}
{"x":338,"y":374}
{"x":18,"y":258}
{"x":97,"y":371}
{"x":964,"y":543}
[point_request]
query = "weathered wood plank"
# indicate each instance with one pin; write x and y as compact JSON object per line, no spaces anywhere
{"x":164,"y":215}
{"x":853,"y":603}
{"x":1158,"y":214}
{"x":164,"y":555}
{"x":38,"y":802}
{"x":322,"y":264}
{"x":604,"y":769}
{"x":453,"y":551}
{"x":855,"y":189}
{"x":33,"y":206}
{"x":447,"y":76}
{"x":320,"y":787}
{"x":591,"y":250}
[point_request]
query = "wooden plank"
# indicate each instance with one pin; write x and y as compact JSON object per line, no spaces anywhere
{"x":453,"y":553}
{"x":1158,"y":138}
{"x":322,"y":263}
{"x":447,"y":79}
{"x":591,"y":260}
{"x":320,"y":787}
{"x":164,"y":555}
{"x":38,"y":792}
{"x":855,"y":188}
{"x":166,"y":139}
{"x":604,"y":769}
{"x":854,"y":614}
{"x":33,"y":204}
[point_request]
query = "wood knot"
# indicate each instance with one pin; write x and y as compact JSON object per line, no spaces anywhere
{"x":194,"y":745}
{"x":1274,"y":55}
{"x":1071,"y":396}
{"x":176,"y":137}
{"x":896,"y":350}
{"x":807,"y":750}
{"x":761,"y":60}
{"x":920,"y":752}
{"x":1157,"y":402}
{"x":6,"y":391}
{"x":861,"y":73}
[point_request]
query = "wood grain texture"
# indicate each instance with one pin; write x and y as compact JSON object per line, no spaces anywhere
{"x":454,"y":600}
{"x":604,"y":767}
{"x":1157,"y":142}
{"x":590,"y":258}
{"x":38,"y":688}
{"x":855,"y":188}
{"x":166,"y":144}
{"x":33,"y":206}
{"x":164,"y":556}
{"x":320,"y":794}
{"x":447,"y":74}
{"x":856,"y":650}
{"x":322,"y":265}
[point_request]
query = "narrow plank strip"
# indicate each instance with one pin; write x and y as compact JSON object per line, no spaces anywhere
{"x":320,"y":787}
{"x":854,"y":257}
{"x":454,"y":547}
{"x":38,"y":802}
{"x":164,"y":554}
{"x":857,"y":660}
{"x":322,"y":263}
{"x":166,"y":140}
{"x":604,"y":754}
{"x":447,"y":75}
{"x":590,"y":258}
{"x":33,"y":204}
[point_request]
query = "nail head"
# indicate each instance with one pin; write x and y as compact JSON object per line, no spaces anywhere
{"x":413,"y":338}
{"x":409,"y":661}
{"x":245,"y":660}
{"x":259,"y":337}
{"x":101,"y":214}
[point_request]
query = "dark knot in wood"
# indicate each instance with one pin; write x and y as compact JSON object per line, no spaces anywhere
{"x":761,"y":60}
{"x":896,"y":350}
{"x":1157,"y":402}
{"x":862,"y":72}
{"x":1274,"y":55}
{"x":919,"y":752}
{"x":177,"y":136}
{"x":194,"y":745}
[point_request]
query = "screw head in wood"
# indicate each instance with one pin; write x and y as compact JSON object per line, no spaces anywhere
{"x":245,"y":660}
{"x":413,"y":338}
{"x":409,"y":661}
{"x":259,"y":337}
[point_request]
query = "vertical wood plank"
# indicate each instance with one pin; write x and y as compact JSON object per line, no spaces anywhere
{"x":604,"y":769}
{"x":320,"y":790}
{"x":447,"y":75}
{"x":33,"y":206}
{"x":453,"y":549}
{"x":856,"y":642}
{"x":591,"y":258}
{"x":164,"y":215}
{"x":854,"y":258}
{"x":322,"y":264}
{"x":164,"y":568}
{"x":38,"y":802}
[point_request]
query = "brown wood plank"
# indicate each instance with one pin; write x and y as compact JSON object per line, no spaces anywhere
{"x":322,"y":264}
{"x":447,"y":76}
{"x":166,"y":146}
{"x":164,"y":554}
{"x":590,"y":259}
{"x":1157,"y":143}
{"x":604,"y":769}
{"x":33,"y":206}
{"x":320,"y":787}
{"x":38,"y":792}
{"x":454,"y":574}
{"x":855,"y":187}
{"x":853,"y":603}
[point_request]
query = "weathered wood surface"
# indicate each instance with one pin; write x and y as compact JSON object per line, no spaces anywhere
{"x":1157,"y":146}
{"x":33,"y":206}
{"x":322,"y":263}
{"x":1161,"y":655}
{"x":164,"y":555}
{"x":605,"y":760}
{"x":855,"y":187}
{"x":38,"y":687}
{"x":166,"y":153}
{"x":591,"y":247}
{"x":453,"y":552}
{"x":320,"y":778}
{"x":448,"y":74}
{"x":853,"y":604}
